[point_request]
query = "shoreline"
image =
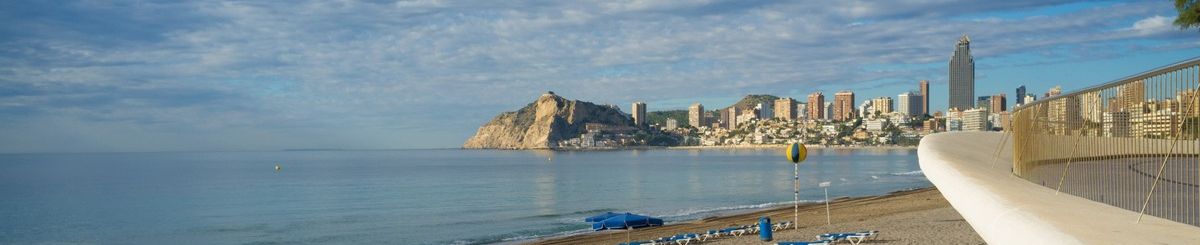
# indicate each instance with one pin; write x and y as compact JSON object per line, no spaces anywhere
{"x":886,"y":147}
{"x":915,"y":216}
{"x":713,"y":147}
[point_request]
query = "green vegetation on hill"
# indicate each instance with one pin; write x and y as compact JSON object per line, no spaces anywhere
{"x":750,"y":101}
{"x":660,"y":117}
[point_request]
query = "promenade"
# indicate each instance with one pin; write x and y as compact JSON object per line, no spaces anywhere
{"x":1005,"y":209}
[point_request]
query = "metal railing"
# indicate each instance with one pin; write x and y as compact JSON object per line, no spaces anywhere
{"x":1132,"y":143}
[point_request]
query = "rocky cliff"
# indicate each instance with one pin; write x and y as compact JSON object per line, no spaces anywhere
{"x":541,"y":124}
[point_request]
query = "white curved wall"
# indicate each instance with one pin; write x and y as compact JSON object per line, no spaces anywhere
{"x":1005,"y":209}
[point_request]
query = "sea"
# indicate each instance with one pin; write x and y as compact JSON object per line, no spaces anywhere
{"x":449,"y":196}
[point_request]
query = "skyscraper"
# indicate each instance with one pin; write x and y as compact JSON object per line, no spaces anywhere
{"x":766,"y":109}
{"x":785,"y":108}
{"x":1020,"y":95}
{"x":909,"y":104}
{"x":883,"y":105}
{"x":924,"y":87}
{"x":639,"y":113}
{"x":816,"y":112}
{"x":843,"y":105}
{"x":696,"y":115}
{"x":962,"y":75}
{"x":828,"y":111}
{"x":729,"y":117}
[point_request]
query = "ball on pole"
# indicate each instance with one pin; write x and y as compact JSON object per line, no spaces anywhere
{"x":797,"y":153}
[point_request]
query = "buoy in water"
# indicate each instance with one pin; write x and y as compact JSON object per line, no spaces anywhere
{"x":277,"y":167}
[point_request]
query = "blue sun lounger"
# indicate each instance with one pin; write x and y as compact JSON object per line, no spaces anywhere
{"x":852,"y":237}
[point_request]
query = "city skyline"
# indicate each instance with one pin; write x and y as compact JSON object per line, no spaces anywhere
{"x":82,"y":77}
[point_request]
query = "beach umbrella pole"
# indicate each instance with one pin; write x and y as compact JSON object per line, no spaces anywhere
{"x":796,"y":196}
{"x":796,"y":154}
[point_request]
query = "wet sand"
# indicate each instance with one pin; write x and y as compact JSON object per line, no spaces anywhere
{"x":909,"y":217}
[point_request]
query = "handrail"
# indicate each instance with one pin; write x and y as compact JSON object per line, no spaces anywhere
{"x":1143,"y":75}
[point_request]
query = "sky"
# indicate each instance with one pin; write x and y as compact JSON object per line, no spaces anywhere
{"x":149,"y":76}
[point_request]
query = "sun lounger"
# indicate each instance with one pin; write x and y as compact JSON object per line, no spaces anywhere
{"x":852,"y":237}
{"x":710,"y":235}
{"x":684,"y":239}
{"x":781,"y":225}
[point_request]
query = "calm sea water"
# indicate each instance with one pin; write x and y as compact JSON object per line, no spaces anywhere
{"x":405,"y":197}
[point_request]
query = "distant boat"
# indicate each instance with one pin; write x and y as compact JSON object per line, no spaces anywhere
{"x":277,"y":167}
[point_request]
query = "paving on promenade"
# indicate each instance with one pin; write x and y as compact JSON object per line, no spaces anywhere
{"x":1124,"y":183}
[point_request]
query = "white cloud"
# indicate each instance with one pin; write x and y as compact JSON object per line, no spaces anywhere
{"x":447,"y":66}
{"x":1152,"y":25}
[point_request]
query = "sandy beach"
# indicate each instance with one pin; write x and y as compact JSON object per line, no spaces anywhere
{"x":910,"y":217}
{"x":782,"y":146}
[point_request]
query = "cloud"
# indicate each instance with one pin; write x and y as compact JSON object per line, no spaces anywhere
{"x":427,"y":73}
{"x":1152,"y":25}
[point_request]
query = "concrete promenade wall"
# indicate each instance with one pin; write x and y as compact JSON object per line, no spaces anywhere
{"x":1005,"y":209}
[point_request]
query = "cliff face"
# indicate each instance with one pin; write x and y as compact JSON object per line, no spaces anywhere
{"x":541,"y":124}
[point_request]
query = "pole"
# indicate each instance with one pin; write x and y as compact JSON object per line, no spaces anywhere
{"x":827,"y":206}
{"x":796,"y":197}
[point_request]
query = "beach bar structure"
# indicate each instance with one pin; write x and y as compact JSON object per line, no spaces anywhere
{"x":1115,"y":163}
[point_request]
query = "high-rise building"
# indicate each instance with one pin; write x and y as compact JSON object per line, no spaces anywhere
{"x":1055,"y":91}
{"x":843,"y":105}
{"x":998,"y":103}
{"x":931,"y":125}
{"x":1029,"y":98}
{"x":816,"y":112}
{"x":801,"y":110}
{"x":766,"y":109}
{"x":785,"y":108}
{"x":1190,"y":104}
{"x":983,"y":102}
{"x":882,"y":105}
{"x":696,"y":117}
{"x":924,"y":87}
{"x":975,"y":120}
{"x":672,"y":124}
{"x":1116,"y":124}
{"x":1091,"y":106}
{"x":639,"y":113}
{"x":910,"y":104}
{"x":1002,"y":120}
{"x":1129,"y":95}
{"x":962,"y":75}
{"x":729,"y":117}
{"x":828,"y":110}
{"x":1063,"y":115}
{"x":1020,"y":97}
{"x":866,"y":109}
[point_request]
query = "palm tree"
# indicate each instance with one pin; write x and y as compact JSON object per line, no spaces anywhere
{"x":1189,"y":14}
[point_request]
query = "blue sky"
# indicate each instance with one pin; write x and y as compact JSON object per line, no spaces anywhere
{"x":97,"y":76}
